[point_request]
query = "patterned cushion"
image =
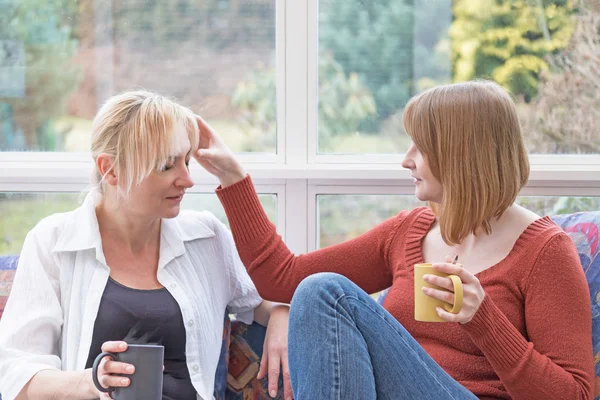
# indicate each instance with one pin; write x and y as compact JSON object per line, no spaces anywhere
{"x":239,"y":363}
{"x":245,"y":352}
{"x":583,"y":229}
{"x":221,"y":374}
{"x":8,"y":266}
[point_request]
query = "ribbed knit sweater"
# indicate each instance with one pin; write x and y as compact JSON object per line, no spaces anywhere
{"x":529,"y":339}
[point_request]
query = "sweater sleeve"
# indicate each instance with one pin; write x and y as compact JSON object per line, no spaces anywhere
{"x":276,"y":271}
{"x":556,"y":360}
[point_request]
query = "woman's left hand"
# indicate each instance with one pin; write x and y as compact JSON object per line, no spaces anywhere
{"x":473,"y":292}
{"x":275,"y":352}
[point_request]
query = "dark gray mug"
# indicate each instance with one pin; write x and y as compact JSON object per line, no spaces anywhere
{"x":147,"y":380}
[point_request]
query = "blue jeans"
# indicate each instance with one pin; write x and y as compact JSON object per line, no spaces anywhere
{"x":345,"y":346}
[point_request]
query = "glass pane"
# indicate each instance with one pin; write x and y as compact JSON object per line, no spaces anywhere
{"x":20,"y":212}
{"x":375,"y":55}
{"x":555,"y":205}
{"x":341,"y":217}
{"x":210,"y":202}
{"x":61,"y":59}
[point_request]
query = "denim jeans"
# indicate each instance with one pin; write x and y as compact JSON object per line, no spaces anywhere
{"x":345,"y":346}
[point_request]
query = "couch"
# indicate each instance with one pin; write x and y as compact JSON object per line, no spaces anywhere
{"x":242,"y":344}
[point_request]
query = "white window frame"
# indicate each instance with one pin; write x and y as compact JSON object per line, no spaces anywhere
{"x":297,"y":174}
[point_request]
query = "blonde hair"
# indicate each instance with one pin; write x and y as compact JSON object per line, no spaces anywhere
{"x":470,"y":136}
{"x":137,"y":130}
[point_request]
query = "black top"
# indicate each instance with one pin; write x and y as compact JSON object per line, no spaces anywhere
{"x":145,"y":317}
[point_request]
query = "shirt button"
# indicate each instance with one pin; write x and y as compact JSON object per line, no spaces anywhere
{"x":191,"y":322}
{"x":196,"y":368}
{"x":173,"y":286}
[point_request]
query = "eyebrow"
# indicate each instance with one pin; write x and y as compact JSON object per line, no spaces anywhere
{"x":176,"y":156}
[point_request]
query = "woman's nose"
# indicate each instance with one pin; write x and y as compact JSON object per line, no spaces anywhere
{"x":185,"y":179}
{"x":408,"y":161}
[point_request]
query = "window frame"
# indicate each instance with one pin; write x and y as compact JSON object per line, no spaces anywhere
{"x":297,"y":174}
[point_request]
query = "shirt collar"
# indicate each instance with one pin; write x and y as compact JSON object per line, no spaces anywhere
{"x":81,"y":232}
{"x":174,"y":232}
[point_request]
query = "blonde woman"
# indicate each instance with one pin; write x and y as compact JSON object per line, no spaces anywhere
{"x":128,"y":263}
{"x":524,"y":331}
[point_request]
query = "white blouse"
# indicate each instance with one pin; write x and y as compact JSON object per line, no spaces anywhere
{"x":49,"y":318}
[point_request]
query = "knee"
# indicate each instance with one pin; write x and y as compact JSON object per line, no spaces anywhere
{"x":320,"y":286}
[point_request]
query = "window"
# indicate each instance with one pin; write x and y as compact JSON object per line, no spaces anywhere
{"x":346,"y":216}
{"x":62,"y":59}
{"x":373,"y":56}
{"x":21,"y":211}
{"x":309,"y":93}
{"x":341,"y":217}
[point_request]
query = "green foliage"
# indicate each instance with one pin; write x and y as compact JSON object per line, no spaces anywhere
{"x":344,"y":217}
{"x":255,"y":99}
{"x":43,"y":29}
{"x":568,"y":205}
{"x":564,"y":116}
{"x":508,"y":40}
{"x":20,"y":212}
{"x":432,"y":44}
{"x":551,"y":205}
{"x":344,"y":101}
{"x":373,"y":39}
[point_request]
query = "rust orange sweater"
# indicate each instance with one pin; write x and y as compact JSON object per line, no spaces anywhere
{"x":530,"y":338}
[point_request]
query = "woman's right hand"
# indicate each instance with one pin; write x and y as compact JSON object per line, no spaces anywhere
{"x":214,"y":155}
{"x":108,"y":367}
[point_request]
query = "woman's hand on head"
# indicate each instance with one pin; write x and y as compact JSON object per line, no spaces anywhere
{"x":275,"y":352}
{"x":214,"y":156}
{"x":108,"y":367}
{"x":473,"y":293}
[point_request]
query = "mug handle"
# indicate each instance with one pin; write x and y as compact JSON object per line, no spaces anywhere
{"x":458,"y":295}
{"x":95,"y":371}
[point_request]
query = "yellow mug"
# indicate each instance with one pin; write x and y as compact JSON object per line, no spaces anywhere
{"x":425,"y":306}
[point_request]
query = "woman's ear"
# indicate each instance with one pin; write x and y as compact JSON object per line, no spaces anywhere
{"x":105,"y":165}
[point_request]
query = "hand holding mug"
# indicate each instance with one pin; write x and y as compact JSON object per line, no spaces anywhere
{"x":129,"y":371}
{"x":472,"y":296}
{"x":108,"y":367}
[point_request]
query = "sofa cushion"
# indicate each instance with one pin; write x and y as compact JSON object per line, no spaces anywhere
{"x":245,"y":352}
{"x":221,"y":374}
{"x":583,"y":229}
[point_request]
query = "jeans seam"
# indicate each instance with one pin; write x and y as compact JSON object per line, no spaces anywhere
{"x":351,"y":297}
{"x":336,"y":383}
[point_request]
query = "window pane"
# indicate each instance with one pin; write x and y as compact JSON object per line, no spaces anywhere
{"x":344,"y":217}
{"x":375,"y":55}
{"x":20,"y":212}
{"x":210,"y":202}
{"x":554,"y":205}
{"x":61,"y":59}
